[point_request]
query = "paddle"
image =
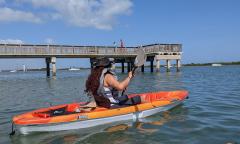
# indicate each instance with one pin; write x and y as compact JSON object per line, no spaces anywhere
{"x":139,"y":61}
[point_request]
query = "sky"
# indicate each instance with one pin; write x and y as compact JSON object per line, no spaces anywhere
{"x":209,"y":30}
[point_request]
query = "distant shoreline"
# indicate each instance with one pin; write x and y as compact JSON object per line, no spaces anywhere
{"x":41,"y":69}
{"x":119,"y":67}
{"x":209,"y":64}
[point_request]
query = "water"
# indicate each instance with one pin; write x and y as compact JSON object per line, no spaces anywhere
{"x":211,"y":114}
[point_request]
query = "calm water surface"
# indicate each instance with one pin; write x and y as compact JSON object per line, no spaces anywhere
{"x":211,"y":114}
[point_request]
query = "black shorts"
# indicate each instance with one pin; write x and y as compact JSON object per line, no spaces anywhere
{"x":125,"y":101}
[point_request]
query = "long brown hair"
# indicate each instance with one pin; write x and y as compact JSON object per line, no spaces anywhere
{"x":93,"y":81}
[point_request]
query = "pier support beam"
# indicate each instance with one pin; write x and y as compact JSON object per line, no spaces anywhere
{"x":51,"y":60}
{"x":178,"y":65}
{"x":151,"y":65}
{"x":129,"y":66}
{"x":142,"y":68}
{"x":122,"y":67}
{"x":48,"y":61}
{"x":168,"y":65}
{"x":132,"y":65}
{"x":91,"y":63}
{"x":157,"y":65}
{"x":54,"y":68}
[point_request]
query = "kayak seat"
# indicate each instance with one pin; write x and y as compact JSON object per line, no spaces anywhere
{"x":79,"y":107}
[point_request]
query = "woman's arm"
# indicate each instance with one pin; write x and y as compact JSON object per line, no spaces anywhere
{"x":110,"y":80}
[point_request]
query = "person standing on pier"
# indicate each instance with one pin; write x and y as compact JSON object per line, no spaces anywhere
{"x":121,"y":43}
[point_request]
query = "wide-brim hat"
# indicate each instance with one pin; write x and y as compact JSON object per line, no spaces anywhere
{"x":104,"y":62}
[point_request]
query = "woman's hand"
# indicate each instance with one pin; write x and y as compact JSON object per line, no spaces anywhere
{"x":130,"y":75}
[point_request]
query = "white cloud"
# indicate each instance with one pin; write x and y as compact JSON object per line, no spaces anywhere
{"x":100,"y":14}
{"x":11,"y":41}
{"x":10,"y":15}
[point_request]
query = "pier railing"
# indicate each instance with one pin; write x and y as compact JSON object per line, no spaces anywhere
{"x":163,"y":48}
{"x":84,"y":51}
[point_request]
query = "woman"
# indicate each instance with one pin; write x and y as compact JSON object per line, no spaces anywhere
{"x":102,"y":84}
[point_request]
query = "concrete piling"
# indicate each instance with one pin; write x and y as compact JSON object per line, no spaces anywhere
{"x":129,"y":66}
{"x":142,"y":68}
{"x":122,"y":67}
{"x":157,"y":65}
{"x":168,"y":65}
{"x":48,"y":60}
{"x":151,"y":65}
{"x":178,"y":65}
{"x":54,"y":68}
{"x":51,"y":60}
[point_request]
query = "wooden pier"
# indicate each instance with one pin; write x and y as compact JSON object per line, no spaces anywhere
{"x":154,"y":52}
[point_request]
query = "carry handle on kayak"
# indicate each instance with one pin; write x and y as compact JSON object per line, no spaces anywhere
{"x":139,"y":61}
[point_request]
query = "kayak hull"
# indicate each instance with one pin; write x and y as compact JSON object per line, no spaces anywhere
{"x":86,"y":123}
{"x":90,"y":123}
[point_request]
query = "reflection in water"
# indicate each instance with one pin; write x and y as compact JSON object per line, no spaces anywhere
{"x":117,"y":131}
{"x":177,"y":114}
{"x":140,"y":125}
{"x":70,"y":136}
{"x":119,"y":127}
{"x":51,"y":82}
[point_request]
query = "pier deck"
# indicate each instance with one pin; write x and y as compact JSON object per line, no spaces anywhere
{"x":155,"y":52}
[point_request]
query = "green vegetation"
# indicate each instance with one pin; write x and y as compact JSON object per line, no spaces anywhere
{"x":209,"y":64}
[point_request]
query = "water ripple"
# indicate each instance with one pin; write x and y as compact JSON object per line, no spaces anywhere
{"x":210,"y":115}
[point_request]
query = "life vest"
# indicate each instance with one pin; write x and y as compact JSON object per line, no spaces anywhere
{"x":107,"y":96}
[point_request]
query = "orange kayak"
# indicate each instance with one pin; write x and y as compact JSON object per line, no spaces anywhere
{"x":65,"y":117}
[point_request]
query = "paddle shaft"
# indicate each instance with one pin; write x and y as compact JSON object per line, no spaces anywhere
{"x":139,"y":61}
{"x":133,"y":71}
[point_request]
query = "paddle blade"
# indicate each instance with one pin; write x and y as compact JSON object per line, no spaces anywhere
{"x":140,"y":59}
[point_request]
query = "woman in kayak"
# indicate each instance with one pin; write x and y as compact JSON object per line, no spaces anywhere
{"x":102,"y":84}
